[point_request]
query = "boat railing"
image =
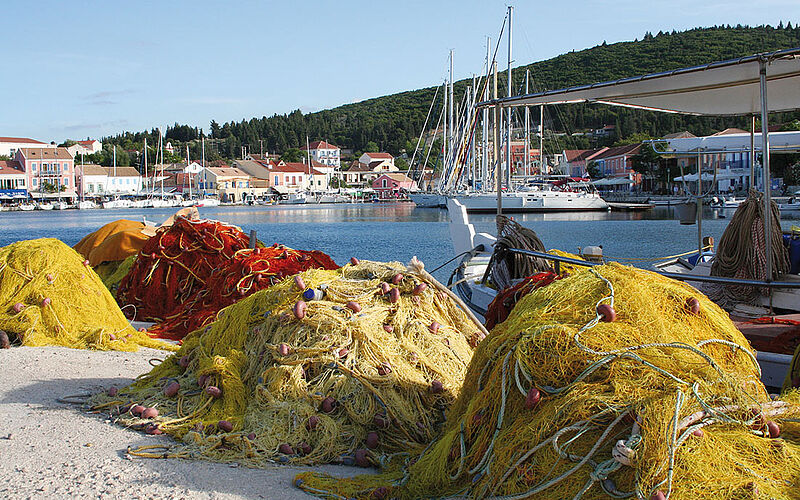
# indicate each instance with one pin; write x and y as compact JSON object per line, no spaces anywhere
{"x":558,"y":259}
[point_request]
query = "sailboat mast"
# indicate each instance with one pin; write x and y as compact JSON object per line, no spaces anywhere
{"x":526,"y":150}
{"x":485,"y":158}
{"x":508,"y":121}
{"x":452,"y":116}
{"x":203,"y":160}
{"x":473,"y":161}
{"x":541,"y":139}
{"x":498,"y":176}
{"x":187,"y":171}
{"x":445,"y":135}
{"x":145,"y":164}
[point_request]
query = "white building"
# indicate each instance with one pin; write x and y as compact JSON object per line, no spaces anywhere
{"x":324,"y":153}
{"x":10,"y":145}
{"x":95,"y":180}
{"x":87,"y":147}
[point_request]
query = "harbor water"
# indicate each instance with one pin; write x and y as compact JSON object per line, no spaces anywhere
{"x":396,"y":232}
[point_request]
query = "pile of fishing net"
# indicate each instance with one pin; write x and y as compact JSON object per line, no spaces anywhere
{"x":49,"y":295}
{"x":321,"y":367}
{"x":189,"y":271}
{"x":611,"y":382}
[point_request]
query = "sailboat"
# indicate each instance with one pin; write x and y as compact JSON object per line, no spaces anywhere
{"x":205,"y":201}
{"x":117,"y":202}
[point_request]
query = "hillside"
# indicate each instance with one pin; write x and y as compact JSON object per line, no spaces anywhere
{"x":393,"y":122}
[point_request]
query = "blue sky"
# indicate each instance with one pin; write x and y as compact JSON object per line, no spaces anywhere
{"x":87,"y":69}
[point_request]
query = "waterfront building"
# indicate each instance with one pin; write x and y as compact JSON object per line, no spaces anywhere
{"x":13,"y":182}
{"x":378,"y":162}
{"x":574,"y":161}
{"x":368,"y":168}
{"x":325,"y":153}
{"x":49,"y":172}
{"x":230,"y":183}
{"x":96,"y":180}
{"x":10,"y":145}
{"x":389,"y":185}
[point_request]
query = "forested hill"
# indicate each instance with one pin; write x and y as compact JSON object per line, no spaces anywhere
{"x":393,"y":122}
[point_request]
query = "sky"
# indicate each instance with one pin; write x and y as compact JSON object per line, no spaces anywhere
{"x":79,"y":69}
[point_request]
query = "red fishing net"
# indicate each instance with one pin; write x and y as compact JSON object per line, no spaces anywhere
{"x":186,"y":273}
{"x":504,"y":302}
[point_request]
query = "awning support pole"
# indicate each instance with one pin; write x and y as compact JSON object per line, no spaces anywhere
{"x":762,"y":64}
{"x":699,"y":206}
{"x":752,"y":182}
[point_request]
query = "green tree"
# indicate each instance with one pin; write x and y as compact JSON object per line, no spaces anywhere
{"x":592,"y":169}
{"x":371,"y":147}
{"x":292,"y":155}
{"x":647,"y":162}
{"x":401,"y":163}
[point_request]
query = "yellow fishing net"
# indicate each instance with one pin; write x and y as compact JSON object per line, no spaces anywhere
{"x":663,"y":402}
{"x":50,"y":296}
{"x":369,"y":359}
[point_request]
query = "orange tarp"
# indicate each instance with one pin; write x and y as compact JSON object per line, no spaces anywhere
{"x":113,"y":242}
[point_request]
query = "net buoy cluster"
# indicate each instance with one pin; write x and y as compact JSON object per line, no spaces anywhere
{"x":49,"y":295}
{"x":336,"y":366}
{"x":613,"y":382}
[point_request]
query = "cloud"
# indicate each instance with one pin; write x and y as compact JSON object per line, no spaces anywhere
{"x":106,"y":97}
{"x":97,"y":125}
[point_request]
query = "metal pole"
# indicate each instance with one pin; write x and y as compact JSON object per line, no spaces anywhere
{"x":765,"y":165}
{"x":452,"y":115}
{"x":485,"y":155}
{"x":526,"y":150}
{"x":498,"y":175}
{"x":699,"y":205}
{"x":541,"y":139}
{"x":752,"y":152}
{"x":508,"y":121}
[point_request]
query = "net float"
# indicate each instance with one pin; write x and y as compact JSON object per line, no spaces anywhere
{"x":698,"y":433}
{"x":354,"y":261}
{"x":111,"y":336}
{"x":433,"y":327}
{"x":86,"y":262}
{"x":380,"y":421}
{"x":388,"y":328}
{"x":153,"y":430}
{"x":607,"y":313}
{"x":354,"y":306}
{"x":384,"y":369}
{"x":183,"y":361}
{"x":299,"y":309}
{"x":251,"y":436}
{"x":385,"y":287}
{"x":437,"y":387}
{"x":172,"y":389}
{"x":299,"y":283}
{"x":372,"y":440}
{"x":773,"y":429}
{"x":225,"y":426}
{"x":202,"y":380}
{"x":312,"y":422}
{"x":343,"y":352}
{"x":420,"y":288}
{"x":150,"y":413}
{"x":397,"y":278}
{"x":136,"y":410}
{"x":50,"y":278}
{"x":394,"y":295}
{"x":412,"y":357}
{"x":284,"y":349}
{"x":214,"y":391}
{"x":693,"y":305}
{"x":658,"y":495}
{"x":113,"y":391}
{"x":286,"y":449}
{"x":46,"y":302}
{"x":362,"y":457}
{"x":5,"y":343}
{"x":305,"y":448}
{"x":533,"y":398}
{"x":18,"y":307}
{"x":328,"y":405}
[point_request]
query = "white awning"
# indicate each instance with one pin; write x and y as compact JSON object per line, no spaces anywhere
{"x":722,"y":88}
{"x":721,"y":176}
{"x":778,"y":141}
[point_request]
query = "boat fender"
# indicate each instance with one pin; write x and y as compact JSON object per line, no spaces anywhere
{"x":593,"y":253}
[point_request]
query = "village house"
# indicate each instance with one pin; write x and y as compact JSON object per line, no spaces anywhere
{"x":518,"y":158}
{"x":10,"y":145}
{"x":368,"y":167}
{"x":230,"y":183}
{"x":390,"y":185}
{"x":324,"y":153}
{"x":87,"y":147}
{"x":95,"y":180}
{"x":616,"y":166}
{"x":13,"y":182}
{"x":575,"y":161}
{"x":50,"y":172}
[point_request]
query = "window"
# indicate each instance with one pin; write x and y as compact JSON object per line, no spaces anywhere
{"x":383,"y":182}
{"x":33,"y":167}
{"x":276,"y":180}
{"x":34,"y":182}
{"x":66,"y":167}
{"x":66,"y":181}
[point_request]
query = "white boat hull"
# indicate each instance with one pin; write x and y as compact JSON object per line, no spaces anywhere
{"x":117,"y":204}
{"x":533,"y":201}
{"x":429,"y":200}
{"x":87,"y":205}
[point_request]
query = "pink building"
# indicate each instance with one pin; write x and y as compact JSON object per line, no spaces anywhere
{"x":389,"y":185}
{"x":49,"y":172}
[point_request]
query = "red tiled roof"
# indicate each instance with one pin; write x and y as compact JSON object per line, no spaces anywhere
{"x":86,"y":143}
{"x":10,"y":167}
{"x":46,"y":153}
{"x":21,"y":140}
{"x":728,"y":131}
{"x":319,"y":145}
{"x":381,"y":156}
{"x":292,"y":167}
{"x":628,"y":149}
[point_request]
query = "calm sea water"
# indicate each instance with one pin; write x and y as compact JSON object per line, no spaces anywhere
{"x":396,"y":231}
